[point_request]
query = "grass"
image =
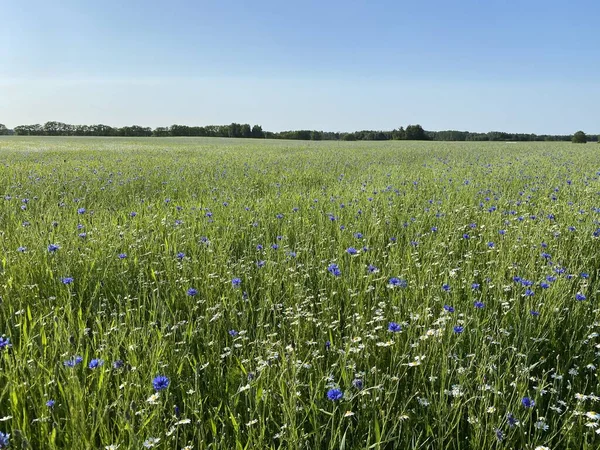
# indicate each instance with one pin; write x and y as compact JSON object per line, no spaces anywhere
{"x":142,"y":224}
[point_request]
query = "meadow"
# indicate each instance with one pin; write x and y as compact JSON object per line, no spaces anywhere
{"x":245,"y":294}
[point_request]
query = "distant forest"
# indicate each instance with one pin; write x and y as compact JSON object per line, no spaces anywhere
{"x":237,"y":130}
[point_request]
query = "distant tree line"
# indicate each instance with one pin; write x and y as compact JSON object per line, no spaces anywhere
{"x":237,"y":130}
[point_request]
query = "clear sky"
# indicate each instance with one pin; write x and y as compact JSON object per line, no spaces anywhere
{"x":506,"y":65}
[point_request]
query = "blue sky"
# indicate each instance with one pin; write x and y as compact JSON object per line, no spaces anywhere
{"x":522,"y":66}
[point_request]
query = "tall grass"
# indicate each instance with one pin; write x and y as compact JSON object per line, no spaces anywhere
{"x":492,"y":245}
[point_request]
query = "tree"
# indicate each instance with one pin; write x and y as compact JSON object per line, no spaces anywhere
{"x":3,"y":130}
{"x":579,"y":138}
{"x":257,"y":132}
{"x":415,"y":133}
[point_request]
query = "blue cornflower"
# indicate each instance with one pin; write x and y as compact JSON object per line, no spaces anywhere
{"x":95,"y":363}
{"x":279,"y":216}
{"x":334,"y":270}
{"x":5,"y":342}
{"x":534,"y":313}
{"x":118,"y":364}
{"x":502,"y":232}
{"x":475,"y":286}
{"x":357,"y":383}
{"x":458,"y":329}
{"x":82,"y":235}
{"x":180,"y":255}
{"x":478,"y":305}
{"x":292,"y":254}
{"x":544,"y":285}
{"x":529,"y":293}
{"x":449,"y":308}
{"x":236,"y":282}
{"x":191,"y":292}
{"x":579,"y":296}
{"x":358,"y":235}
{"x":132,"y":214}
{"x":446,"y":287}
{"x":122,"y":255}
{"x":335,"y":394}
{"x":527,"y":402}
{"x":490,"y":244}
{"x":233,"y":333}
{"x":260,"y":264}
{"x":351,"y":251}
{"x":274,"y":246}
{"x":73,"y":361}
{"x":67,"y":280}
{"x":550,"y":279}
{"x":434,"y":229}
{"x":53,"y":247}
{"x":526,"y":283}
{"x":259,"y":247}
{"x":512,"y":420}
{"x":327,"y":345}
{"x":81,"y":211}
{"x":4,"y":440}
{"x":160,"y":382}
{"x":585,"y":275}
{"x":546,"y":255}
{"x":466,"y":236}
{"x":372,"y":269}
{"x":50,"y":403}
{"x":22,"y":249}
{"x":394,"y":327}
{"x":397,"y":282}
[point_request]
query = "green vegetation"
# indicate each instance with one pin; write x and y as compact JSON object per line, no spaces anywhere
{"x":579,"y":138}
{"x":236,"y":130}
{"x":319,"y":295}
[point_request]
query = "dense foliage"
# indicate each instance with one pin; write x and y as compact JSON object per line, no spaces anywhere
{"x":204,"y":293}
{"x":236,"y":130}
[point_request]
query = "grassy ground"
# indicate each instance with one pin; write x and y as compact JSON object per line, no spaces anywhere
{"x":298,"y":294}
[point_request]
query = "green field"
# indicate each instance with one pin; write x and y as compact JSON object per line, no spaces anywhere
{"x":314,"y":295}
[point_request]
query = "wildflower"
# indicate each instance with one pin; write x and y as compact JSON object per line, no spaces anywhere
{"x":73,"y":361}
{"x":499,"y":434}
{"x":95,"y":363}
{"x":334,"y":270}
{"x":335,"y":394}
{"x":22,"y":249}
{"x":397,"y":282}
{"x":512,"y":420}
{"x":53,"y":247}
{"x":534,"y":313}
{"x":67,"y":280}
{"x":4,"y":440}
{"x":122,"y":255}
{"x":458,"y":329}
{"x":118,"y":364}
{"x":579,"y":296}
{"x":191,"y":292}
{"x":357,"y":383}
{"x":478,"y":305}
{"x":529,"y":293}
{"x":527,"y":402}
{"x":50,"y":403}
{"x":81,"y":211}
{"x":449,"y":308}
{"x":5,"y":342}
{"x":153,"y":399}
{"x":394,"y":327}
{"x":180,"y":256}
{"x":372,"y":269}
{"x":475,"y":286}
{"x":351,"y":251}
{"x":260,"y":264}
{"x":236,"y":282}
{"x":233,"y":333}
{"x":327,"y":345}
{"x":446,"y":287}
{"x":160,"y":382}
{"x":151,"y":442}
